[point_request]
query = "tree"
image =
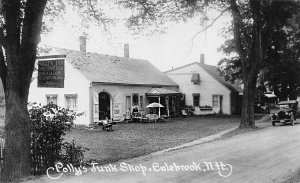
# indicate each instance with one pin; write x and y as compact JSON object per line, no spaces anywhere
{"x":282,"y":68}
{"x":247,"y":24}
{"x":278,"y":70}
{"x":19,"y":37}
{"x":21,"y":23}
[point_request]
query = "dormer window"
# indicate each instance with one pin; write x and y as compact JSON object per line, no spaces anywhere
{"x":195,"y":78}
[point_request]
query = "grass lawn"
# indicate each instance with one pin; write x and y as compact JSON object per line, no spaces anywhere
{"x":136,"y":139}
{"x":293,"y":178}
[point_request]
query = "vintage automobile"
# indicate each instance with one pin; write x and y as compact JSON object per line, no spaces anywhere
{"x":287,"y":113}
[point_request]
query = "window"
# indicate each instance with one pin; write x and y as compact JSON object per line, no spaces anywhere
{"x":215,"y":102}
{"x":135,"y":99}
{"x":196,"y":99}
{"x":52,"y":98}
{"x":71,"y":101}
{"x":195,"y":78}
{"x":141,"y":102}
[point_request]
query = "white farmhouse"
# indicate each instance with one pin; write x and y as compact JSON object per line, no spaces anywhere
{"x":105,"y":86}
{"x":203,"y":86}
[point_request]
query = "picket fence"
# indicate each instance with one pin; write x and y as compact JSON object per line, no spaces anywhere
{"x":39,"y":161}
{"x":2,"y":143}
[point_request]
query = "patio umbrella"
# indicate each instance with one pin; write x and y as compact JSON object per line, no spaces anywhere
{"x":154,"y":104}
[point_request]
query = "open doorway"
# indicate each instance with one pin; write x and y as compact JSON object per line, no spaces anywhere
{"x":104,"y":105}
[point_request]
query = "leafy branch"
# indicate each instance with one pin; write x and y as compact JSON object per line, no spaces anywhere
{"x":211,"y":24}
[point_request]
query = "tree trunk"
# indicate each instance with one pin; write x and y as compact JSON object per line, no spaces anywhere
{"x":17,"y":155}
{"x":23,"y":22}
{"x":247,"y":117}
{"x":250,"y":61}
{"x":17,"y":135}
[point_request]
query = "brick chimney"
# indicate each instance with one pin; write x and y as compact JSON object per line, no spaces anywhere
{"x":202,"y":58}
{"x":82,"y":42}
{"x":126,"y":50}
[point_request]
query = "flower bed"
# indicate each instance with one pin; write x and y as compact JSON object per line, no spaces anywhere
{"x":205,"y":108}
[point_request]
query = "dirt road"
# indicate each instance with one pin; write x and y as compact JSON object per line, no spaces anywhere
{"x":262,"y":156}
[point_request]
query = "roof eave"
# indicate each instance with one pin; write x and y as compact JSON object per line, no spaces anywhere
{"x":51,"y":56}
{"x":133,"y":84}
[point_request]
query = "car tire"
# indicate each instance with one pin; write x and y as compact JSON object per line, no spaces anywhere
{"x":273,"y":123}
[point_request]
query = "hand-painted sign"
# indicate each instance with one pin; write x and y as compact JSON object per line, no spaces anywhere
{"x":51,"y":73}
{"x":117,"y":111}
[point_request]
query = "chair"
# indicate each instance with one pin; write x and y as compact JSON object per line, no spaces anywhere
{"x":106,"y":125}
{"x":136,"y":116}
{"x":183,"y":113}
{"x":143,"y":117}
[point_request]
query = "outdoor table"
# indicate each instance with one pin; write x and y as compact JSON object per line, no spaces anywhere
{"x":138,"y":117}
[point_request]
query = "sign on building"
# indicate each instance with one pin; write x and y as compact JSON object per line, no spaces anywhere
{"x":117,"y":111}
{"x":51,"y":73}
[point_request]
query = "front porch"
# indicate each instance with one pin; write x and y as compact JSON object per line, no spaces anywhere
{"x":168,"y":98}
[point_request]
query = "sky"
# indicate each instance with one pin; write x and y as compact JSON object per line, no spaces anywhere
{"x":172,"y":49}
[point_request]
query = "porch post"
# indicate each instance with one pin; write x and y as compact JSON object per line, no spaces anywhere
{"x":159,"y":107}
{"x":91,"y":107}
{"x":167,"y":105}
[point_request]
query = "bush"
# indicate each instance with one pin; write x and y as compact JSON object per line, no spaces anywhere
{"x":73,"y":154}
{"x":49,"y":124}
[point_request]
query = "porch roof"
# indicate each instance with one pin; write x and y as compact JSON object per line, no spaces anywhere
{"x":287,"y":102}
{"x":161,"y":91}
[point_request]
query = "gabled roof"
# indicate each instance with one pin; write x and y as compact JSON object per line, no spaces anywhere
{"x":112,"y":69}
{"x":213,"y":71}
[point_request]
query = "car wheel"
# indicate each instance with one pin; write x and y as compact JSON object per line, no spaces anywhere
{"x":273,"y":123}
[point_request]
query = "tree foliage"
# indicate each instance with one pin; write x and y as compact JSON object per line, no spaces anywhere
{"x":279,"y":68}
{"x":153,"y":15}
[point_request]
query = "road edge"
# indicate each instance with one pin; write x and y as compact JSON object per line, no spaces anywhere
{"x":196,"y":142}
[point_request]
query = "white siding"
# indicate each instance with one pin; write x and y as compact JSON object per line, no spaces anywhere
{"x":208,"y":87}
{"x":75,"y":83}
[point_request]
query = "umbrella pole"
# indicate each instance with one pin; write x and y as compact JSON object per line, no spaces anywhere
{"x":159,"y":107}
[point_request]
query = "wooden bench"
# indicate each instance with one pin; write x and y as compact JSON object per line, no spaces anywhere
{"x":107,"y":127}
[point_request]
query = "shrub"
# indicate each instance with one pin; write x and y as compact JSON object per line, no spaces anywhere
{"x":73,"y":154}
{"x":49,"y":124}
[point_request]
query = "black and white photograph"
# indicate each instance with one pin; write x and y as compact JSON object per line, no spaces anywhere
{"x":150,"y":91}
